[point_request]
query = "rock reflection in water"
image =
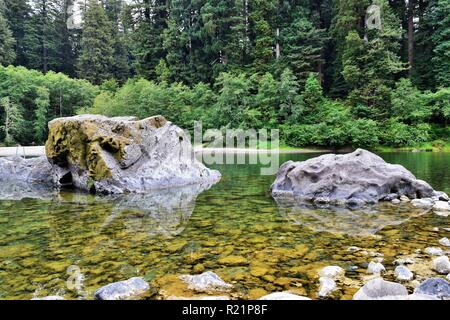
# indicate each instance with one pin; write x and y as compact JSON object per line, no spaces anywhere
{"x":163,"y":212}
{"x":343,"y":220}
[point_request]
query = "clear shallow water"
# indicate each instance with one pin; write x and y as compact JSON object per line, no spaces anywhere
{"x":71,"y":244}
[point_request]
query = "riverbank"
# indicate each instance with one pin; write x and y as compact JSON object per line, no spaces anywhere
{"x":36,"y":151}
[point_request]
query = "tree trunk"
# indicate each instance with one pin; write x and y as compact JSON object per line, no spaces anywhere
{"x":410,"y":35}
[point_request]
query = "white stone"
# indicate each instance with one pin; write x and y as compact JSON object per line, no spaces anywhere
{"x":402,"y":273}
{"x":375,"y":268}
{"x":283,"y":296}
{"x":332,"y":272}
{"x":441,"y":265}
{"x":206,"y":282}
{"x":434,"y":251}
{"x":448,"y":277}
{"x":444,"y":242}
{"x":441,"y":206}
{"x":442,"y":213}
{"x":327,"y":286}
{"x":404,"y":199}
{"x":395,"y":201}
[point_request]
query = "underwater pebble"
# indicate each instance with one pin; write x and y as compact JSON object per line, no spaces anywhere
{"x":402,"y":273}
{"x":441,"y":264}
{"x":207,"y":281}
{"x":332,"y":272}
{"x":375,"y":268}
{"x":437,"y":287}
{"x":434,"y":251}
{"x":122,"y":290}
{"x":395,"y":201}
{"x":404,"y":199}
{"x":403,"y":261}
{"x":327,"y":286}
{"x":444,"y":242}
{"x":353,"y":249}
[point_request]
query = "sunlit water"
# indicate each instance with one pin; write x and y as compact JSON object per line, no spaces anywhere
{"x":71,"y":244}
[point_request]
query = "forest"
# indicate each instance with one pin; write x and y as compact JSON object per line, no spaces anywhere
{"x":316,"y":70}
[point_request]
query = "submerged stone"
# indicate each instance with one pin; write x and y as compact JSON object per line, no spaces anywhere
{"x":332,"y":272}
{"x":402,"y":273}
{"x":327,"y":287}
{"x":379,"y":288}
{"x":441,"y":264}
{"x":437,"y":287}
{"x":123,"y":290}
{"x":206,"y":282}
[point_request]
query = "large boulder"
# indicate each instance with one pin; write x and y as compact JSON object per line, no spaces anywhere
{"x":119,"y":155}
{"x":356,"y":178}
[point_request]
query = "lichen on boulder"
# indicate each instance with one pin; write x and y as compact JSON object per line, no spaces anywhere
{"x":122,"y":154}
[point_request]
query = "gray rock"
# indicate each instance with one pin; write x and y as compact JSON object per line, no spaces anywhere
{"x":434,"y":251}
{"x":123,"y":290}
{"x":33,"y":170}
{"x":444,"y":242}
{"x":437,"y":287}
{"x":402,"y":273}
{"x":206,"y":282}
{"x":283,"y":296}
{"x":379,"y":288}
{"x":375,"y":268}
{"x":332,"y":272}
{"x":122,"y":155}
{"x":327,"y":286}
{"x":353,"y":178}
{"x":440,"y":195}
{"x":353,"y":249}
{"x":441,"y":264}
{"x":49,"y":298}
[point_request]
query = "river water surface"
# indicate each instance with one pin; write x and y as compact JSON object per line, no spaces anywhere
{"x":71,"y":244}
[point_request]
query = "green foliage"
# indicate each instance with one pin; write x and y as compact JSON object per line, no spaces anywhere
{"x":96,"y":59}
{"x":41,"y":98}
{"x":7,"y":53}
{"x":13,"y":121}
{"x":408,"y":103}
{"x":441,"y":39}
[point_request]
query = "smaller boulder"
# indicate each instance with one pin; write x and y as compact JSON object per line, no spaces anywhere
{"x":422,"y":203}
{"x":123,"y":290}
